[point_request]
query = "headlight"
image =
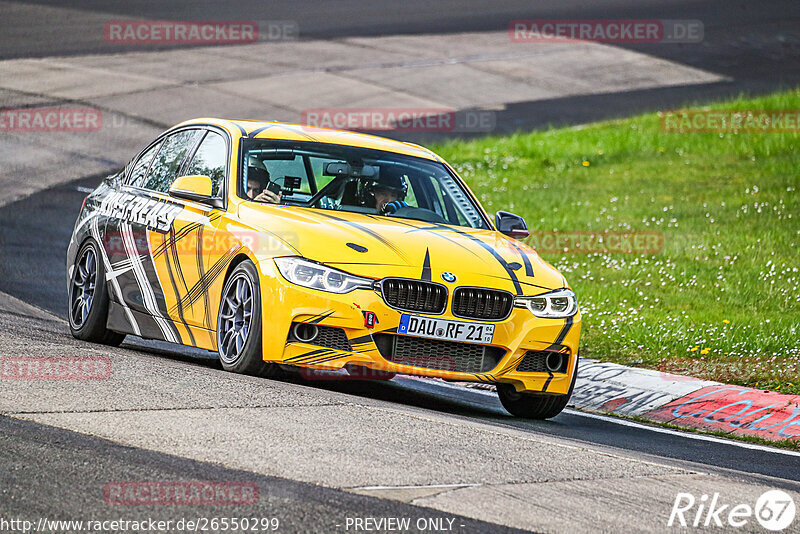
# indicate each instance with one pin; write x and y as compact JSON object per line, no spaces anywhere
{"x":315,"y":276}
{"x":556,"y":304}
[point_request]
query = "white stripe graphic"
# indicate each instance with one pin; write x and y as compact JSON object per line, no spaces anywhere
{"x":148,"y":296}
{"x":123,"y":266}
{"x":111,"y":276}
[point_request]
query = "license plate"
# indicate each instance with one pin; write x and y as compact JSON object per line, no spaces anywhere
{"x":445,"y":329}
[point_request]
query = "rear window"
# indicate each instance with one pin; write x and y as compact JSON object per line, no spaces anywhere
{"x":168,"y":160}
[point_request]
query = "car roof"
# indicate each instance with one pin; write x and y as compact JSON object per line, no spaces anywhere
{"x":298,"y":132}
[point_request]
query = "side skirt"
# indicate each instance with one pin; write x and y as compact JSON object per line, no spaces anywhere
{"x":118,"y":321}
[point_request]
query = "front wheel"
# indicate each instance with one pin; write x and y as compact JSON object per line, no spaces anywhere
{"x":88,"y":298}
{"x":239,"y":324}
{"x":534,"y":405}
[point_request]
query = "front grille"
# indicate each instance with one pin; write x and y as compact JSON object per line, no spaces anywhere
{"x":414,"y":295}
{"x":437,"y":354}
{"x":535,"y":361}
{"x":481,"y":303}
{"x":328,"y":336}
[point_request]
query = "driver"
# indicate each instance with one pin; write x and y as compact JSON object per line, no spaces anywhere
{"x":389,"y":190}
{"x":257,"y":180}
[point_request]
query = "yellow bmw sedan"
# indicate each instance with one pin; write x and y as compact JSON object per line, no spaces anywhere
{"x":282,"y":246}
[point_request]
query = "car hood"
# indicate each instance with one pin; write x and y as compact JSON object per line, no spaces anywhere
{"x":376,"y":246}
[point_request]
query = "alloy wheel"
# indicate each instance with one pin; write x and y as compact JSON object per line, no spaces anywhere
{"x":84,"y":282}
{"x":236,"y":318}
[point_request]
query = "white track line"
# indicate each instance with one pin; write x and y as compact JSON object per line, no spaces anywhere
{"x":689,"y":435}
{"x":424,"y":486}
{"x":634,"y":424}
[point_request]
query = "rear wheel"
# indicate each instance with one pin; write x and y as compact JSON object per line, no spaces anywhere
{"x":88,"y":298}
{"x":534,"y":405}
{"x":239,"y":324}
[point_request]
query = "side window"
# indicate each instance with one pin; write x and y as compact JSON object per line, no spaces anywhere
{"x":140,"y":169}
{"x":210,"y":160}
{"x":411,"y":195}
{"x":438,"y":203}
{"x":442,"y":204}
{"x":168,"y":159}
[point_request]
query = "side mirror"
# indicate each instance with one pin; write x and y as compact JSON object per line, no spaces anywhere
{"x":197,"y":188}
{"x":510,"y":224}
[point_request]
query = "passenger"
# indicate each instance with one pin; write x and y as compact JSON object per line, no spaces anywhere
{"x":389,"y":190}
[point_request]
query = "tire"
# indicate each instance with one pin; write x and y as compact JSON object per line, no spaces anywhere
{"x":88,"y":299}
{"x":534,"y":405}
{"x":239,"y":324}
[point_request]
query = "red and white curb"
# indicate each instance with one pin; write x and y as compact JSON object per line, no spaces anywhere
{"x":686,"y":401}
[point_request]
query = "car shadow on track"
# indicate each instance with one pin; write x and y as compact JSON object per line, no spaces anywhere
{"x":427,"y":394}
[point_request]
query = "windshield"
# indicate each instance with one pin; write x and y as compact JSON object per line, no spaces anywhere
{"x":344,"y":178}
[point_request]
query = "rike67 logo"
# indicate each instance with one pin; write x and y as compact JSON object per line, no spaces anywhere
{"x":774,"y":510}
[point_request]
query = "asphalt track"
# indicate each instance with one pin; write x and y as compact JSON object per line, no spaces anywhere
{"x":85,"y":464}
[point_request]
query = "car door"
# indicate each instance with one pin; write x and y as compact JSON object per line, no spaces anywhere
{"x":142,"y":225}
{"x":187,"y":258}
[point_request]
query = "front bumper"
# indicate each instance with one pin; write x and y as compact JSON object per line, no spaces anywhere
{"x":285,"y":303}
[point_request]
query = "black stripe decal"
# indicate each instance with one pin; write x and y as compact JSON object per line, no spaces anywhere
{"x":525,"y":260}
{"x":426,"y":266}
{"x":202,"y":273}
{"x":557,"y":344}
{"x":511,"y":274}
{"x":360,"y":340}
{"x":186,"y":230}
{"x":257,"y":131}
{"x":547,"y":382}
{"x":497,"y":256}
{"x":320,"y":318}
{"x":561,"y":335}
{"x":437,"y":234}
{"x":178,"y":300}
{"x":173,"y":248}
{"x":241,"y":130}
{"x":512,"y":364}
{"x":308,"y":355}
{"x":369,"y":232}
{"x":388,"y":331}
{"x":328,"y":359}
{"x":204,"y":283}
